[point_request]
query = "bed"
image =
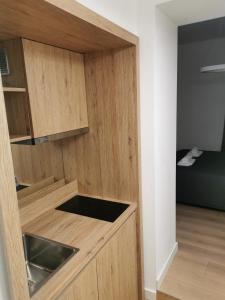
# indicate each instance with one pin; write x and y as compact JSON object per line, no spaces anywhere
{"x":202,"y":184}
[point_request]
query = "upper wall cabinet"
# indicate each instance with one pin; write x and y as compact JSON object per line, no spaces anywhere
{"x":50,"y":85}
{"x":56,"y":86}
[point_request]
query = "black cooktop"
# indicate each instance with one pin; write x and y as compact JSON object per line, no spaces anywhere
{"x":94,"y":208}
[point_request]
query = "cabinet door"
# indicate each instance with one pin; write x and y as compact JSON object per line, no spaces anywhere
{"x":56,"y":86}
{"x":84,"y":287}
{"x":117,"y":265}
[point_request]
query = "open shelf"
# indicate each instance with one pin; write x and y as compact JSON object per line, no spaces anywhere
{"x":14,"y":89}
{"x":19,"y":137}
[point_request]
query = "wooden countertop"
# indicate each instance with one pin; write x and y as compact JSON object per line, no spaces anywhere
{"x":87,"y":234}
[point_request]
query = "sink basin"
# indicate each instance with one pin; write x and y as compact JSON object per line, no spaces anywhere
{"x":43,"y":259}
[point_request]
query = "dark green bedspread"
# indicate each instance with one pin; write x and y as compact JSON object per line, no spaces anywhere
{"x":202,"y":184}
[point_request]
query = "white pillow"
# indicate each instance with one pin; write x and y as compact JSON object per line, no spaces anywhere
{"x":186,"y":161}
{"x":196,"y":152}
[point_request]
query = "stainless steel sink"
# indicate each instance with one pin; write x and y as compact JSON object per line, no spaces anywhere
{"x":43,"y":259}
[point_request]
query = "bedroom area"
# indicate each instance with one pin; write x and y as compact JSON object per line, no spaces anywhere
{"x":200,"y":115}
{"x":198,"y":270}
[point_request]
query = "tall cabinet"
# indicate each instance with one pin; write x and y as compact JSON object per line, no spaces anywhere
{"x":85,"y":287}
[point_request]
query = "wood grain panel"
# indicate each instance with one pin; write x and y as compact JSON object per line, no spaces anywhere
{"x":56,"y":86}
{"x":70,"y":158}
{"x":35,"y":163}
{"x":29,"y":199}
{"x":117,"y":265}
{"x":50,"y":199}
{"x":66,"y":24}
{"x":11,"y":236}
{"x":34,"y":188}
{"x":85,"y":287}
{"x":105,"y":160}
{"x":106,"y":157}
{"x":18,"y":114}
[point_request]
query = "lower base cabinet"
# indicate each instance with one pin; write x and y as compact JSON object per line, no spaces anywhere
{"x":112,"y":275}
{"x":84,"y":287}
{"x":117,"y":265}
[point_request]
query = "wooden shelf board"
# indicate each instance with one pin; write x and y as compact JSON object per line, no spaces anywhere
{"x":14,"y":89}
{"x":18,"y":137}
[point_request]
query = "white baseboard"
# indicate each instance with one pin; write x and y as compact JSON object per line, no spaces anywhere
{"x":166,"y":266}
{"x":150,"y":295}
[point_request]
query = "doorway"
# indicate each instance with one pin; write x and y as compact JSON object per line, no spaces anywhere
{"x":197,"y":271}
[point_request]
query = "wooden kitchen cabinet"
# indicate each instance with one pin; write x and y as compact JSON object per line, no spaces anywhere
{"x":113,"y":273}
{"x":117,"y":265}
{"x":85,"y":287}
{"x":56,"y":87}
{"x":65,"y":61}
{"x":45,"y":92}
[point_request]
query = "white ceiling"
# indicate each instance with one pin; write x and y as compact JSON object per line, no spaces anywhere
{"x":184,"y":12}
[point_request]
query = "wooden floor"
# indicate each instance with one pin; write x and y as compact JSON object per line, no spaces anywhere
{"x":162,"y":296}
{"x":198,"y":270}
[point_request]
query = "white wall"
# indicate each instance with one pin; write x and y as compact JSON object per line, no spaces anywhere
{"x":146,"y":17}
{"x":201,"y":95}
{"x":158,"y":83}
{"x":191,"y":11}
{"x":165,"y":96}
{"x":121,"y":12}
